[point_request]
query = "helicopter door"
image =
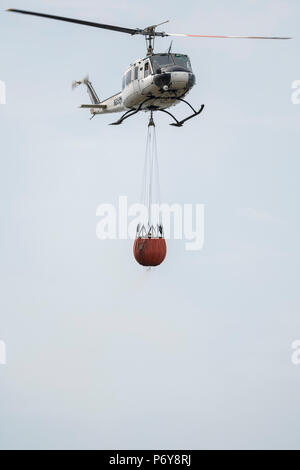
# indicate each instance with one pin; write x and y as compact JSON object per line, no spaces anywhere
{"x":145,"y":72}
{"x":136,"y":83}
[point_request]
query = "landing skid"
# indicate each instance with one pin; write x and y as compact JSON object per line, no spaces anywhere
{"x":177,"y":123}
{"x":180,"y":123}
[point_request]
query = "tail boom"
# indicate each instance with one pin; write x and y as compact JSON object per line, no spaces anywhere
{"x":113,"y":104}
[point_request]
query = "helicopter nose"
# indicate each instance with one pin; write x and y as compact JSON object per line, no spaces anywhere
{"x":162,"y":80}
{"x":174,"y":80}
{"x":182,"y":80}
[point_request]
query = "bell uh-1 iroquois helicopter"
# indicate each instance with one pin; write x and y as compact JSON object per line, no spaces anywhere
{"x":153,"y":83}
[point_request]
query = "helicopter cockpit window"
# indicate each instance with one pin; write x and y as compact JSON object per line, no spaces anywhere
{"x":136,"y":73}
{"x":147,"y":69}
{"x":161,"y":60}
{"x":123,"y":83}
{"x":183,"y":61}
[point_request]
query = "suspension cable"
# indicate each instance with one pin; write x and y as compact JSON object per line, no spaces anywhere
{"x":151,"y":187}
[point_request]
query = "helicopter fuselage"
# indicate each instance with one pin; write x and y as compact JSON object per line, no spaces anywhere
{"x":154,"y":82}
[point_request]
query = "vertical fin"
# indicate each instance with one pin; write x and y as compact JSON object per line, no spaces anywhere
{"x":90,"y":89}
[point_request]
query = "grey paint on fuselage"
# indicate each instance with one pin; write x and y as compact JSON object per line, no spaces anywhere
{"x":141,"y":81}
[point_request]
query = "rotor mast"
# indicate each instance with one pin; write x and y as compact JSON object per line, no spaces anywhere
{"x":150,"y":44}
{"x":150,"y":34}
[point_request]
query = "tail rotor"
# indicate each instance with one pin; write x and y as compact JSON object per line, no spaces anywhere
{"x":90,"y":89}
{"x":77,"y":83}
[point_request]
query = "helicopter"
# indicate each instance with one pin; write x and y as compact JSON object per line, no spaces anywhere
{"x":155,"y":82}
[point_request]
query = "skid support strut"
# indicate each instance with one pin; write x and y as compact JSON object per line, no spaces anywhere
{"x":180,"y":123}
{"x":130,"y":113}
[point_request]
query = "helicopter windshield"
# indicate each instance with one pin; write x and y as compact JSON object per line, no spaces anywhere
{"x":162,"y":60}
{"x":183,"y":61}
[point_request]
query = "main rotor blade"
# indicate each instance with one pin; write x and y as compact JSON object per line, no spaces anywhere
{"x":225,"y":37}
{"x":145,"y":32}
{"x":72,"y":20}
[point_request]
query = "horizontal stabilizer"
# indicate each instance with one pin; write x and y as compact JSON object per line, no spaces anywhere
{"x":96,"y":106}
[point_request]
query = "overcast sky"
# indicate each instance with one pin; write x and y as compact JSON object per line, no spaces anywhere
{"x":195,"y":354}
